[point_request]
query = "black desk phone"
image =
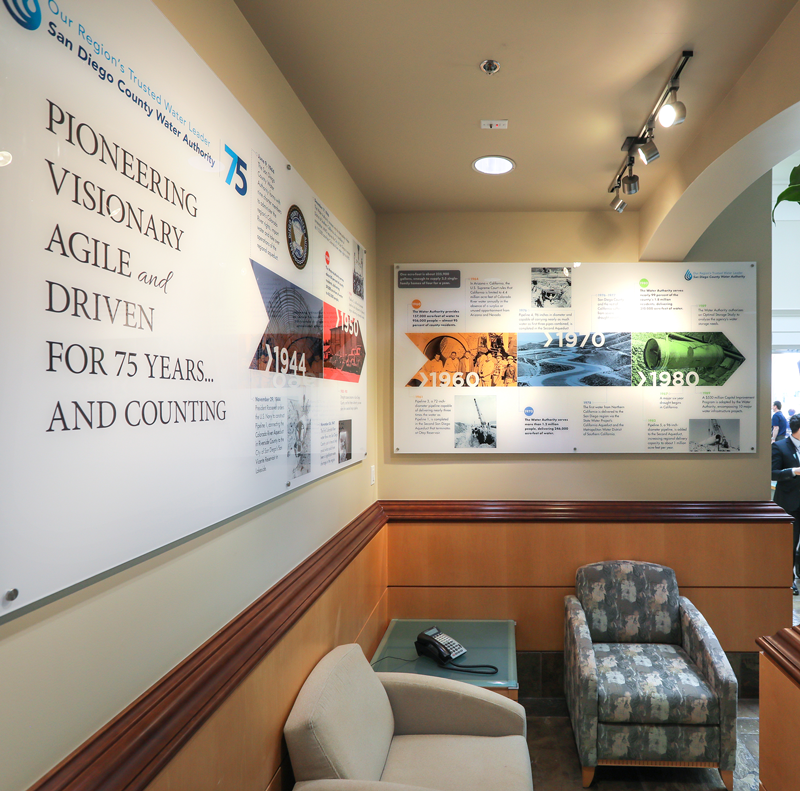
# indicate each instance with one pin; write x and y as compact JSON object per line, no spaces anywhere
{"x":438,"y":646}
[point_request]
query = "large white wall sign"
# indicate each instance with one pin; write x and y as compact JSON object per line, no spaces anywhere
{"x":182,"y":322}
{"x":598,"y":358}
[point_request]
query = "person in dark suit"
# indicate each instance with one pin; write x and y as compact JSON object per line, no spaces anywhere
{"x":786,"y":474}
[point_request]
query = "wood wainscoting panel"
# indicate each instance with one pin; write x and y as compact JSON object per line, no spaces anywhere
{"x":708,"y":554}
{"x":239,"y":746}
{"x":373,"y":630}
{"x":539,"y":612}
{"x":736,"y":615}
{"x":739,"y":615}
{"x":216,"y":720}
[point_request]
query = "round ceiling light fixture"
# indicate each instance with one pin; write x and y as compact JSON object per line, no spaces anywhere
{"x":490,"y":66}
{"x":5,"y":158}
{"x":494,"y":165}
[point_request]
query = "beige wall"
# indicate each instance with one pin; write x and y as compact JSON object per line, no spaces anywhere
{"x":742,"y":232}
{"x":72,"y":665}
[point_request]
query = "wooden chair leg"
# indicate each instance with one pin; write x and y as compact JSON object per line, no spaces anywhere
{"x":727,"y":778}
{"x":588,"y":776}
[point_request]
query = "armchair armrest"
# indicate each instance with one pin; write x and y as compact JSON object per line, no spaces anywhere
{"x":580,"y":680}
{"x":353,"y":785}
{"x":425,"y":704}
{"x":703,"y":648}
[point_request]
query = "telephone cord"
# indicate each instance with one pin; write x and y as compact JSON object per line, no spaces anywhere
{"x":472,"y":669}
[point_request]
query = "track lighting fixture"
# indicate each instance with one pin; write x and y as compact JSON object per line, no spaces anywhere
{"x":670,"y":112}
{"x":673,"y":112}
{"x":617,"y":204}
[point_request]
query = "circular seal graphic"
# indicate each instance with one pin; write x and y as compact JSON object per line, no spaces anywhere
{"x":297,"y":236}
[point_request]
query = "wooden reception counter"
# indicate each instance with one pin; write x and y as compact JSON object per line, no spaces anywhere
{"x":779,"y":709}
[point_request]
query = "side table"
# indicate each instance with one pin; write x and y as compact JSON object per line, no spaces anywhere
{"x":487,"y":643}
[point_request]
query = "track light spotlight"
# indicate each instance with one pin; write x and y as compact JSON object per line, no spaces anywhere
{"x":617,"y":204}
{"x":672,"y":112}
{"x":630,"y":183}
{"x":648,"y":151}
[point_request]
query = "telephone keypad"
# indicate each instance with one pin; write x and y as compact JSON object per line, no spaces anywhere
{"x":455,"y":648}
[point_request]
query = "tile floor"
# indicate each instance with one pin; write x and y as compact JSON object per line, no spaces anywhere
{"x":556,"y":767}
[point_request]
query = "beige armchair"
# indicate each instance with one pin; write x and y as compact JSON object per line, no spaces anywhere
{"x":352,"y":729}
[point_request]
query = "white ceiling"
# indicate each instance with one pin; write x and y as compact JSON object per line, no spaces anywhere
{"x":395,"y":88}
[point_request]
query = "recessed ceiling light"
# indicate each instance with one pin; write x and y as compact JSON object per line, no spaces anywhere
{"x":494,"y":166}
{"x":5,"y":158}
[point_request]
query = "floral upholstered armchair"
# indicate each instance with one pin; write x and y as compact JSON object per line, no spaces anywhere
{"x":647,"y":682}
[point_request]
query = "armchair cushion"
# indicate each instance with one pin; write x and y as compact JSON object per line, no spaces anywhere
{"x":341,"y":724}
{"x":460,"y":763}
{"x":651,"y":683}
{"x":426,"y":704}
{"x":630,"y":602}
{"x":580,"y":680}
{"x":702,"y":646}
{"x":658,"y":743}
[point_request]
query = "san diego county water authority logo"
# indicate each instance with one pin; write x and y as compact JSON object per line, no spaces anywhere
{"x":26,"y":13}
{"x":688,"y":275}
{"x":296,"y":236}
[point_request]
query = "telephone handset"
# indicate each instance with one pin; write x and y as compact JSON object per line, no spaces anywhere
{"x":438,"y":646}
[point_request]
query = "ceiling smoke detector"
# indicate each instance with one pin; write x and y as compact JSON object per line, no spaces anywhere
{"x":490,"y":67}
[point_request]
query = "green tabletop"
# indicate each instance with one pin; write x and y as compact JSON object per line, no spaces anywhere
{"x":487,"y":643}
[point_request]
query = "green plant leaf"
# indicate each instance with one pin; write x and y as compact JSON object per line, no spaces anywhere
{"x":791,"y":193}
{"x":794,"y":176}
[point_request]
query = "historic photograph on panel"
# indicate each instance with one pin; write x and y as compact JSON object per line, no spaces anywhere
{"x":345,"y":440}
{"x":664,"y":359}
{"x":475,"y":421}
{"x":466,"y":359}
{"x":551,"y":287}
{"x":292,"y":341}
{"x":359,"y":255}
{"x":714,"y":435}
{"x":343,"y":346}
{"x":298,"y":435}
{"x":574,"y":360}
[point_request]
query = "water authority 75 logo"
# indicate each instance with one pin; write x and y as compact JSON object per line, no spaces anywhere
{"x":25,"y":12}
